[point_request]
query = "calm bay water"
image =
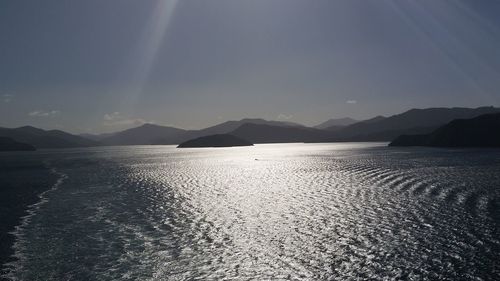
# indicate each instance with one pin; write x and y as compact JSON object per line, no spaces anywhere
{"x":270,"y":212}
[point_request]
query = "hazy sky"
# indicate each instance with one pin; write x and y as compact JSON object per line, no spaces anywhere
{"x":102,"y":65}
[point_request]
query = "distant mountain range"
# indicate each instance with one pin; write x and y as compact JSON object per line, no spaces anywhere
{"x":233,"y":125}
{"x":156,"y":134}
{"x":219,"y":140}
{"x":264,"y":133}
{"x":336,"y":123}
{"x":8,"y":144}
{"x":146,"y":134}
{"x":415,"y":121}
{"x":46,"y":139}
{"x":481,"y":131}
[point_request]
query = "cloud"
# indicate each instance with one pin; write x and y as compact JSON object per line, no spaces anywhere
{"x":43,"y":113}
{"x":282,"y":116}
{"x":352,"y":102}
{"x":112,"y":116}
{"x":116,"y":119}
{"x":7,"y":98}
{"x":126,"y":122}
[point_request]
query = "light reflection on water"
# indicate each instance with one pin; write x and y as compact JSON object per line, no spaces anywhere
{"x":285,"y":211}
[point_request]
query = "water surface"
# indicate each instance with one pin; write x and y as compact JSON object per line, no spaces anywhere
{"x":285,"y":211}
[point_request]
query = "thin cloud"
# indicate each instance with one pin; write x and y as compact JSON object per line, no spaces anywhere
{"x":7,"y":98}
{"x":43,"y":113}
{"x":116,"y":119}
{"x":351,"y":102}
{"x":125,"y":122}
{"x":282,"y":116}
{"x":112,"y":116}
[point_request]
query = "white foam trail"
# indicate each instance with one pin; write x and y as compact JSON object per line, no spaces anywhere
{"x":32,"y":210}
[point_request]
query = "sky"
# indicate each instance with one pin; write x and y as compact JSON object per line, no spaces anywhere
{"x":98,"y":66}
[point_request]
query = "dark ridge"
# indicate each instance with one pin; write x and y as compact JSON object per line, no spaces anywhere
{"x":261,"y":133}
{"x":221,"y":140}
{"x":379,"y":128}
{"x":411,"y":122}
{"x":96,"y":137}
{"x":334,"y":123}
{"x":8,"y":144}
{"x":156,"y":134}
{"x":410,"y":140}
{"x":144,"y":135}
{"x":481,"y":131}
{"x":46,"y":139}
{"x":229,"y":126}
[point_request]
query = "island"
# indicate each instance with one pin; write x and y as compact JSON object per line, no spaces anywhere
{"x":8,"y":144}
{"x":220,"y":140}
{"x":481,"y":131}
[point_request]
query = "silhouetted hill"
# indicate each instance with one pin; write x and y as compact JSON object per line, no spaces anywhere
{"x":155,"y":134}
{"x":261,"y":133}
{"x":374,"y":119}
{"x":387,"y":135}
{"x":45,"y":139}
{"x":336,"y":123}
{"x":146,"y":134}
{"x":31,"y":130}
{"x":76,"y":140}
{"x":96,"y":137}
{"x":220,"y":140}
{"x":336,"y":128}
{"x":481,"y":131}
{"x":230,"y":126}
{"x":8,"y":144}
{"x":415,"y":121}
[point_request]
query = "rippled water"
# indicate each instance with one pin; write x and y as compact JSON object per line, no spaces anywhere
{"x":287,"y":211}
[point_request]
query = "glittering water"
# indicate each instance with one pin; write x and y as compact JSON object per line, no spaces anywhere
{"x":287,"y":211}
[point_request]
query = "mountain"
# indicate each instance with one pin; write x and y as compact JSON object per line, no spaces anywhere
{"x":481,"y":131}
{"x":414,"y":121}
{"x":263,"y":133}
{"x":230,"y":126}
{"x":220,"y":140}
{"x":336,"y":128}
{"x":374,"y":119}
{"x":146,"y":134}
{"x":336,"y":123}
{"x":155,"y":134}
{"x":96,"y":137}
{"x":8,"y":144}
{"x":45,"y":139}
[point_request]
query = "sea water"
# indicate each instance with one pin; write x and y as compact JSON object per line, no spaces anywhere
{"x":347,"y":211}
